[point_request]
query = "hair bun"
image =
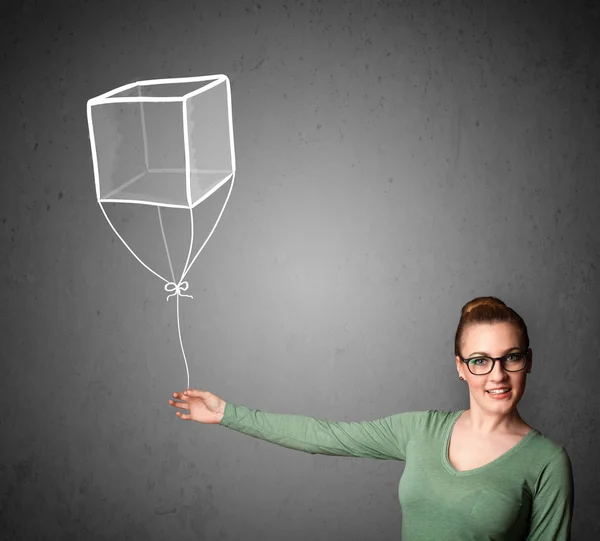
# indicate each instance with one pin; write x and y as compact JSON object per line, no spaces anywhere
{"x":481,"y":301}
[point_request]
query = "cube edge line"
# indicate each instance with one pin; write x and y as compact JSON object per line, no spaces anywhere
{"x":106,"y":96}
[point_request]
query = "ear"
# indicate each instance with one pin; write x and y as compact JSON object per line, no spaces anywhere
{"x":458,"y":365}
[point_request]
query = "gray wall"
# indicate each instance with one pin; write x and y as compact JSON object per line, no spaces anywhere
{"x":394,"y":161}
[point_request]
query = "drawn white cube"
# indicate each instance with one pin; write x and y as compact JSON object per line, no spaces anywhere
{"x":162,"y":142}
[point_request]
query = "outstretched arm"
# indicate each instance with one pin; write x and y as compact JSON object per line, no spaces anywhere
{"x":385,"y":438}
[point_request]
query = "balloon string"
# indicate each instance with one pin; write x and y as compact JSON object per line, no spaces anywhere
{"x":183,"y":285}
{"x":181,"y":344}
{"x":127,"y":246}
{"x":188,"y":267}
{"x":177,"y":289}
{"x":165,"y":241}
{"x":173,"y":287}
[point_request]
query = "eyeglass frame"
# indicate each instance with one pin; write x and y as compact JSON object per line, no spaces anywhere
{"x":494,"y":359}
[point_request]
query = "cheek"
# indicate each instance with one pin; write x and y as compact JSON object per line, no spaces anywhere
{"x":477,"y":385}
{"x":519,"y":383}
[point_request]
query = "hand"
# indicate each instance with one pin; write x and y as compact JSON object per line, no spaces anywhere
{"x":203,"y":406}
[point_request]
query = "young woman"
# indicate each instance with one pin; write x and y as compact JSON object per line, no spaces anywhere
{"x":481,"y":473}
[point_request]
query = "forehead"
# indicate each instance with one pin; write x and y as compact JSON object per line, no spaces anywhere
{"x":491,"y":336}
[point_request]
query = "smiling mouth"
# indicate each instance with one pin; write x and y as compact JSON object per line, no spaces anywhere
{"x":499,"y":394}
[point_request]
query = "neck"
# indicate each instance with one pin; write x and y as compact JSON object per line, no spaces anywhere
{"x":485,"y":423}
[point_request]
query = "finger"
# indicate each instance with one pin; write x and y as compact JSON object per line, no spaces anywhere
{"x":184,"y":416}
{"x":183,"y":405}
{"x":194,"y":393}
{"x":180,"y":396}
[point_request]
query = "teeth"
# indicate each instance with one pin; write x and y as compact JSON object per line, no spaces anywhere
{"x":500,"y":391}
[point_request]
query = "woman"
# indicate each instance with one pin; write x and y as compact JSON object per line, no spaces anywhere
{"x":481,"y":473}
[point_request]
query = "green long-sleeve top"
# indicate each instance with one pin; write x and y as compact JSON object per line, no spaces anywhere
{"x":525,"y":494}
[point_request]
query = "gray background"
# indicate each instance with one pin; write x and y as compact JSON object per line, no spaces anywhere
{"x":395,"y":160}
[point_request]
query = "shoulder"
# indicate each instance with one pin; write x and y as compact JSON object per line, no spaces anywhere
{"x":554,"y":480}
{"x":435,"y":419}
{"x":443,"y":416}
{"x":555,"y":459}
{"x":548,"y":450}
{"x":551,"y":463}
{"x":423,"y":421}
{"x":428,"y":416}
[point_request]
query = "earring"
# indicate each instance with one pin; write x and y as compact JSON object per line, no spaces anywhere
{"x":461,"y":378}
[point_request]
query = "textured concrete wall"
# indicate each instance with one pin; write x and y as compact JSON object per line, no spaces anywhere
{"x":395,"y":160}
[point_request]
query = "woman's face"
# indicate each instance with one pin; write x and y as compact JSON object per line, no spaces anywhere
{"x":493,"y":340}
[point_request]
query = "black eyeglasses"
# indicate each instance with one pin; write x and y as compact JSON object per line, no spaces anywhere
{"x":511,"y":362}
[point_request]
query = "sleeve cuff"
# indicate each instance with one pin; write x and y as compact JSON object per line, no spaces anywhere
{"x":228,"y":414}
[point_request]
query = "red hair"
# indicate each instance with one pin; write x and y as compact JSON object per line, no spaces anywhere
{"x":489,"y":310}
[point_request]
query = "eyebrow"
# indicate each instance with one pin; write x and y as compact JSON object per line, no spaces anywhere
{"x":488,"y":355}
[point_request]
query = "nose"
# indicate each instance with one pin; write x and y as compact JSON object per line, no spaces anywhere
{"x":498,"y":373}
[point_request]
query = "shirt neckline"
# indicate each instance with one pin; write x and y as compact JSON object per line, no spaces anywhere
{"x":445,"y":448}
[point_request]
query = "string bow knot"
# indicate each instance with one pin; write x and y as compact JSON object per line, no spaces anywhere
{"x":177,"y":289}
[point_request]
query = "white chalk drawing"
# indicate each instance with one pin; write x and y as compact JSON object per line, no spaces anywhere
{"x":166,"y":143}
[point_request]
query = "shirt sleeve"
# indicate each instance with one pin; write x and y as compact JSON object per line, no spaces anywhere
{"x":385,"y":438}
{"x":553,"y":501}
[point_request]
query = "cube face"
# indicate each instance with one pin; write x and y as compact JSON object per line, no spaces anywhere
{"x":165,"y":143}
{"x":211,"y":150}
{"x":138,"y":159}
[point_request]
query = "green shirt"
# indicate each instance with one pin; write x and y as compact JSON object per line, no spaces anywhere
{"x":525,"y":494}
